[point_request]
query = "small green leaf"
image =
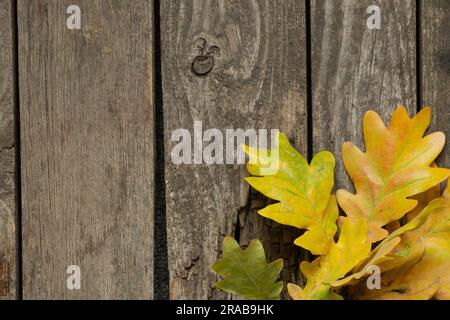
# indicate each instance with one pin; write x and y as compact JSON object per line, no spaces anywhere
{"x":246,"y":272}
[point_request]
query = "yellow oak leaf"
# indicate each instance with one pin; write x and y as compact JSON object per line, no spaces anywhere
{"x":376,"y":259}
{"x":303,"y":191}
{"x":340,"y":258}
{"x":389,"y":254}
{"x":423,"y":271}
{"x":395,"y":166}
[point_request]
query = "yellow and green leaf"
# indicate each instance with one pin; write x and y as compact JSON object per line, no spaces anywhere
{"x":303,"y":192}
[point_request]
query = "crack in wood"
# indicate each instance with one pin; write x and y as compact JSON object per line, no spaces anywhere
{"x":4,"y":276}
{"x":10,"y":147}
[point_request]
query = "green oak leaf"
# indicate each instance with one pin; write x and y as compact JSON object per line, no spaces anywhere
{"x":246,"y":272}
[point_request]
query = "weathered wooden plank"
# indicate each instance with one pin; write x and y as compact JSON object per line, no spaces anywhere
{"x":435,"y":66}
{"x":87,"y":148}
{"x":355,"y":69}
{"x":257,"y":80}
{"x":8,"y":244}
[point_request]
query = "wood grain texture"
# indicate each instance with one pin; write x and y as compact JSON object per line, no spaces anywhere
{"x":87,"y":148}
{"x":258,"y":80}
{"x":435,"y":66}
{"x":355,"y":69}
{"x":8,"y":247}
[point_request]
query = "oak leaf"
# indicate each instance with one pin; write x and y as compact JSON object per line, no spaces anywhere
{"x":303,"y":192}
{"x":341,"y":257}
{"x":394,"y":251}
{"x":246,"y":272}
{"x":425,"y":258}
{"x":395,"y":166}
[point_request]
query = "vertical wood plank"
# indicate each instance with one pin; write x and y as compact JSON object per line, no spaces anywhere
{"x":258,"y":80}
{"x":8,"y":247}
{"x":355,"y":69}
{"x":435,"y":66}
{"x":87,"y":148}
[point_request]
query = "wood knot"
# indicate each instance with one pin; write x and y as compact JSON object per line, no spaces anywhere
{"x":202,"y":65}
{"x":205,"y":61}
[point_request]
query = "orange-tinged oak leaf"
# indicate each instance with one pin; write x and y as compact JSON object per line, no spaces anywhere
{"x":395,"y":166}
{"x":303,"y":191}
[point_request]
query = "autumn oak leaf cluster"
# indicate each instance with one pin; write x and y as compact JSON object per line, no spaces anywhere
{"x":395,"y":225}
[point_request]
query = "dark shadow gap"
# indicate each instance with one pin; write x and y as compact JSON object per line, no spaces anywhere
{"x":237,"y":227}
{"x":161,"y":267}
{"x":309,"y":97}
{"x":303,"y":255}
{"x":419,"y":54}
{"x":17,"y":182}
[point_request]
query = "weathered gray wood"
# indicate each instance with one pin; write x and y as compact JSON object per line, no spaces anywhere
{"x":435,"y":66}
{"x":355,"y":69}
{"x":87,"y":148}
{"x":258,"y":80}
{"x":8,"y":247}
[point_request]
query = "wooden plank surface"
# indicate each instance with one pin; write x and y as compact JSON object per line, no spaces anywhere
{"x":87,"y":148}
{"x":254,"y":76}
{"x":8,"y":247}
{"x":435,"y":66}
{"x":355,"y":69}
